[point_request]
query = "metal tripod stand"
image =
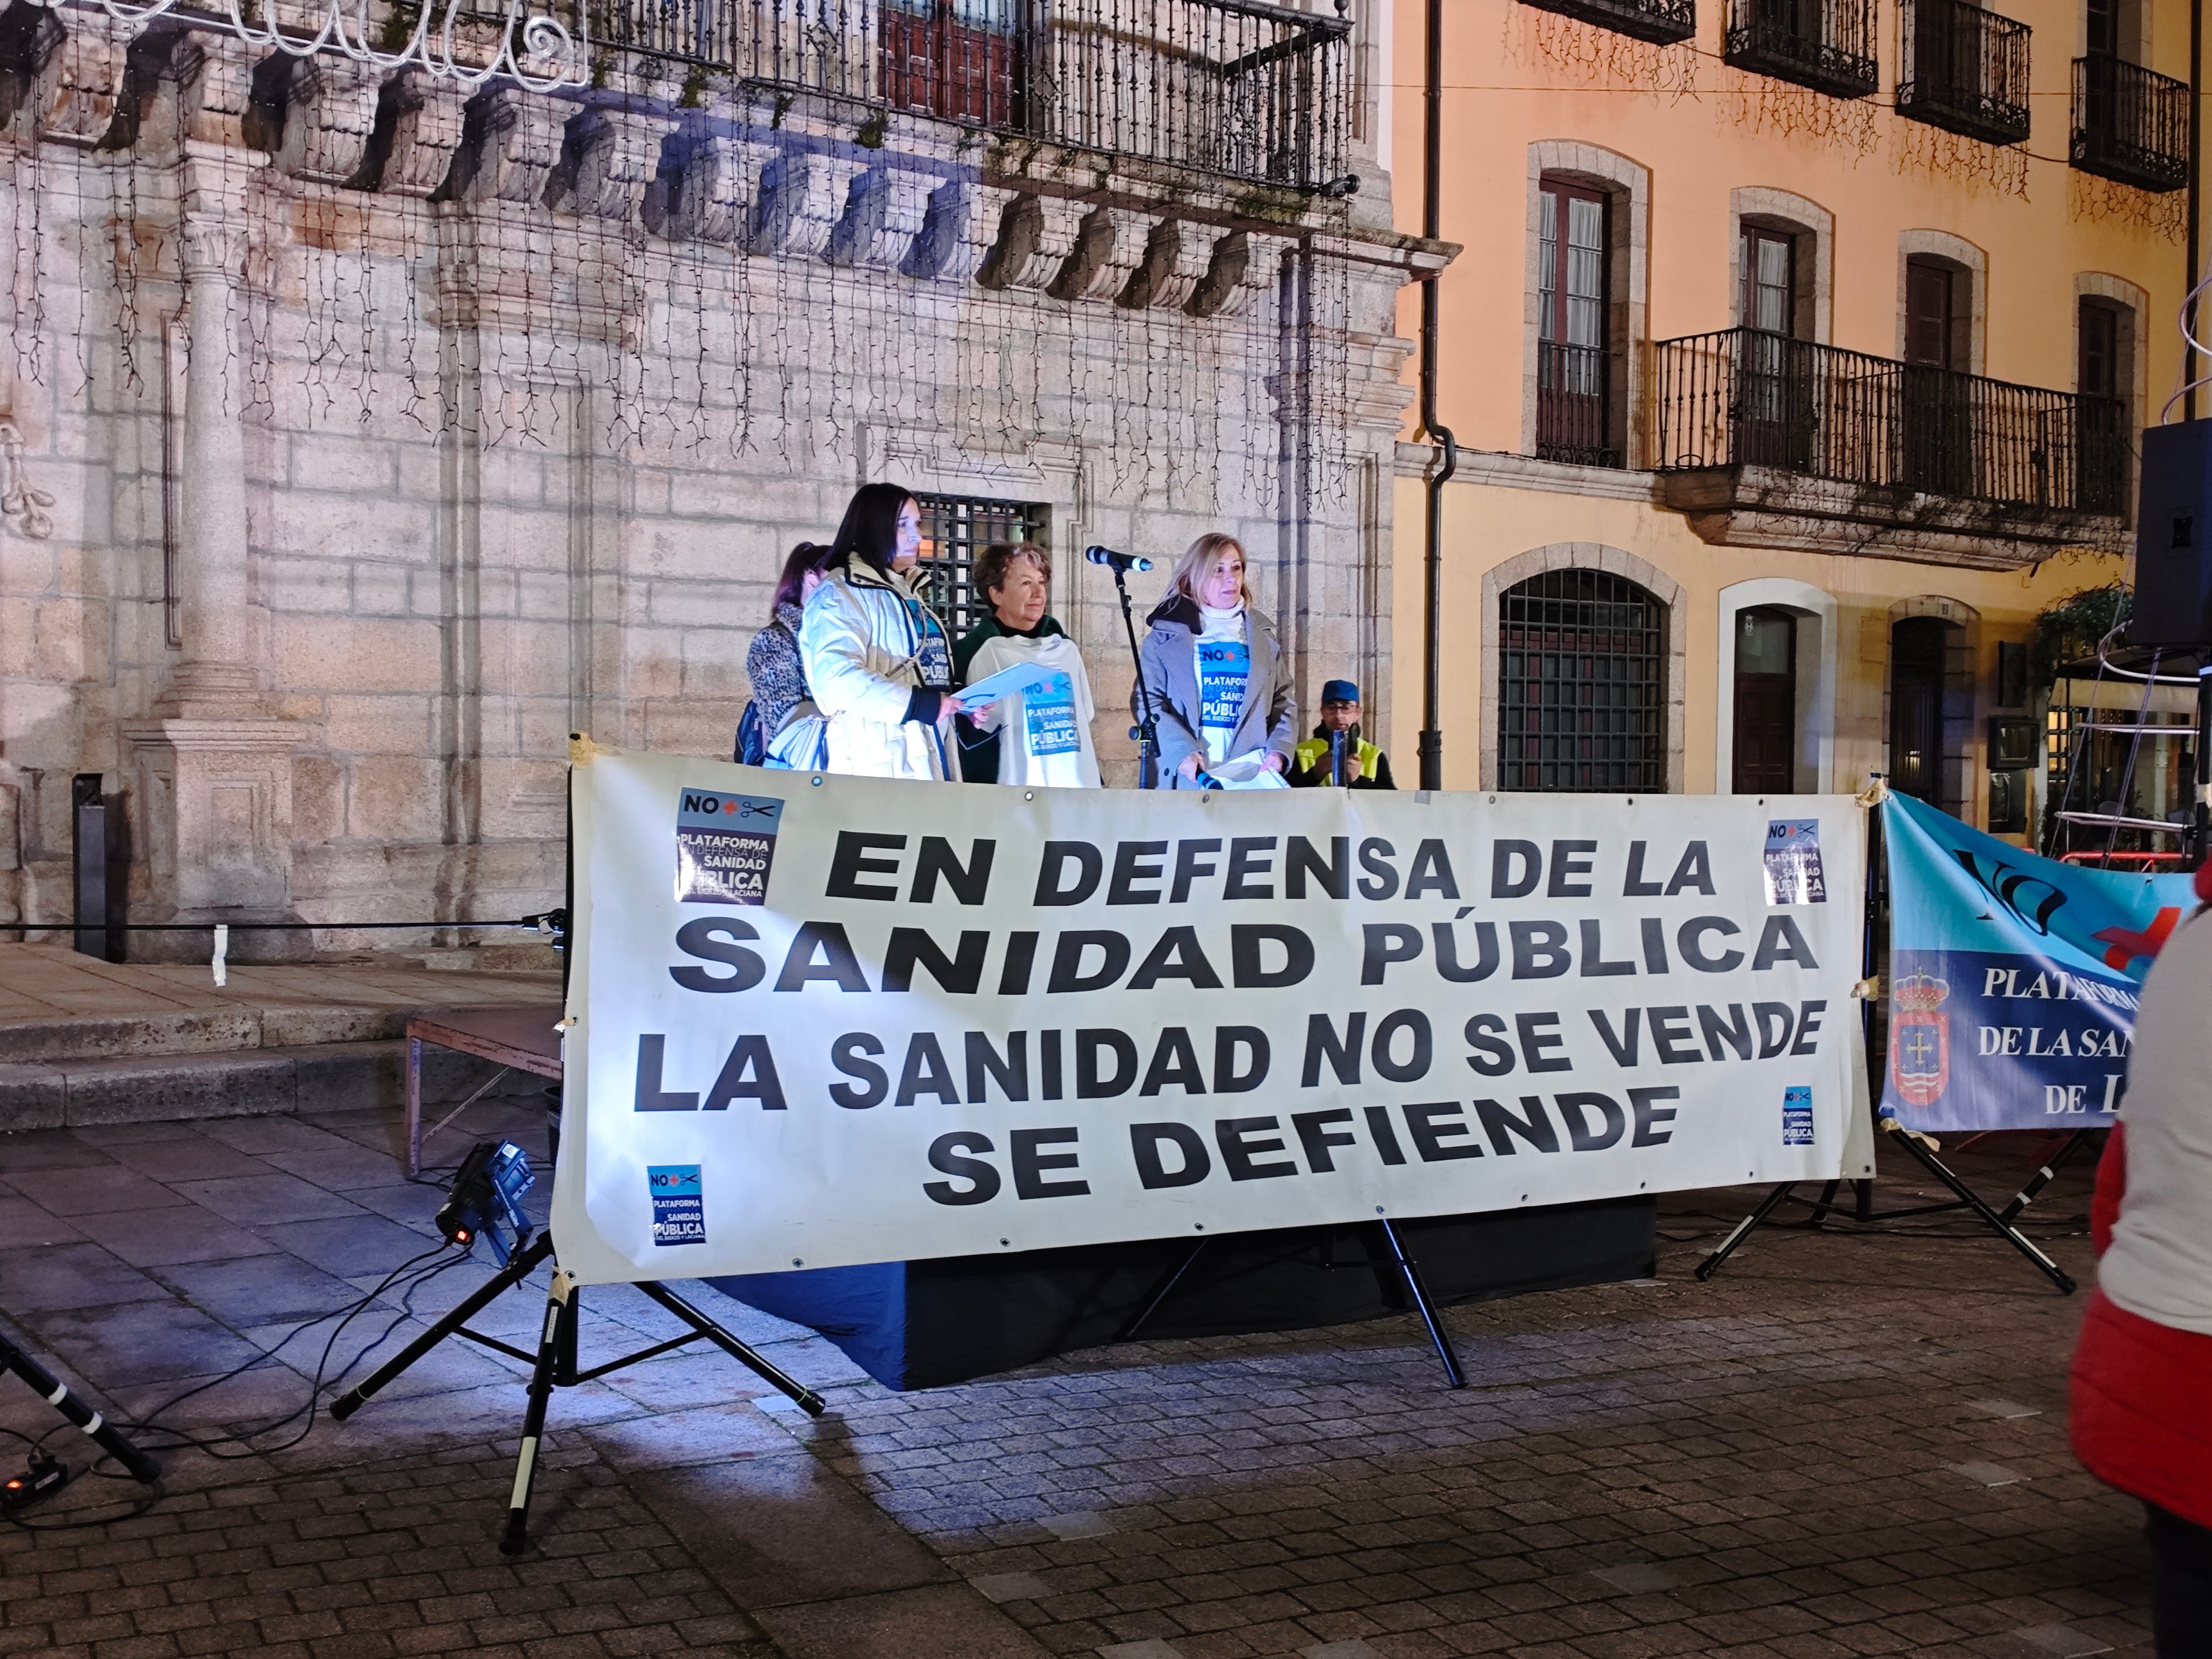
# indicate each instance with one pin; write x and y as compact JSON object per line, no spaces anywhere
{"x":1391,"y":1260}
{"x":554,"y":1363}
{"x":98,"y":1429}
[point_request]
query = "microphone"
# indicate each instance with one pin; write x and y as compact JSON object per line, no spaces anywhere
{"x":1107,"y":555}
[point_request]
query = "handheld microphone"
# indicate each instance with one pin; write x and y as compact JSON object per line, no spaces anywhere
{"x":1107,"y":555}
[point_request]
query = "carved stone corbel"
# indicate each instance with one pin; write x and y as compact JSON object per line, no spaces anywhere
{"x":79,"y":57}
{"x":1036,"y":234}
{"x":1243,"y":265}
{"x":884,"y":212}
{"x":1175,"y":258}
{"x":802,"y":197}
{"x":1108,"y":251}
{"x":958,"y":231}
{"x":22,"y":504}
{"x":512,"y":143}
{"x":609,"y":156}
{"x":215,"y":86}
{"x":330,"y":111}
{"x":427,"y":123}
{"x":718,"y":188}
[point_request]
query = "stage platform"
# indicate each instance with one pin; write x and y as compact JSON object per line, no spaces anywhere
{"x":922,"y":1324}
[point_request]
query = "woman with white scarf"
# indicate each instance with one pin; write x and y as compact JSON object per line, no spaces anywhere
{"x":876,"y":657}
{"x":1220,"y":688}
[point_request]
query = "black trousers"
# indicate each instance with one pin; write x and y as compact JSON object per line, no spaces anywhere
{"x":2180,"y":1585}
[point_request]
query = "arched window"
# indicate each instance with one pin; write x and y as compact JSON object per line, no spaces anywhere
{"x":1582,"y":690}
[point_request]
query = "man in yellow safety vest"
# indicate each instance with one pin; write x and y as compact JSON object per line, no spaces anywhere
{"x":1364,"y":766}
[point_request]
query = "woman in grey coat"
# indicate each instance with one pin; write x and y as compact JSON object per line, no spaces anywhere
{"x":1220,"y":688}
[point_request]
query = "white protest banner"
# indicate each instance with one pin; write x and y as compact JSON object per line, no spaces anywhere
{"x":822,"y":1020}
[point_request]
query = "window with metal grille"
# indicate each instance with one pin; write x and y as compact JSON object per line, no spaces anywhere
{"x":954,"y":530}
{"x":1581,"y":687}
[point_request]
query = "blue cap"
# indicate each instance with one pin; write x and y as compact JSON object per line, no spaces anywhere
{"x":1338,"y":691}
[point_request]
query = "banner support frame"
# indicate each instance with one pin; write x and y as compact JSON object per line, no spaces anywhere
{"x":1862,"y":1211}
{"x":1397,"y":1257}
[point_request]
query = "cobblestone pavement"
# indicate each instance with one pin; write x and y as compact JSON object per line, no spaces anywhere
{"x":1841,"y":1445}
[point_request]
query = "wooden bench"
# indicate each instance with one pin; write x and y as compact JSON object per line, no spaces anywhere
{"x":517,"y":1039}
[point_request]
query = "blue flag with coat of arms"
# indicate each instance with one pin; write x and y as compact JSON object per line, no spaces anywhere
{"x":2013,"y":979}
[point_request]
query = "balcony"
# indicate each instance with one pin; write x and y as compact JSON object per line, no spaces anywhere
{"x":1826,"y":44}
{"x":1574,"y":410}
{"x":1234,"y":87}
{"x":1660,"y":21}
{"x":1964,"y":71}
{"x":1774,"y":442}
{"x":2130,"y":125}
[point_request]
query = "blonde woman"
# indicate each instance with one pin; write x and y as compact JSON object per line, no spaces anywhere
{"x":1220,"y":688}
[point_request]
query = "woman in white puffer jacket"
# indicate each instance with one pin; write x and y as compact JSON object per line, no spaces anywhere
{"x":877,"y":658}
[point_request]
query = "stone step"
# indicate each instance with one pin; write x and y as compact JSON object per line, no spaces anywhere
{"x":56,"y":1006}
{"x":239,"y":1082}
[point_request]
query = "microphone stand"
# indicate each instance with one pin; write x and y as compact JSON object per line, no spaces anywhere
{"x":1146,"y":730}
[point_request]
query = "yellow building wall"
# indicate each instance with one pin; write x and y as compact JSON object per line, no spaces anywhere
{"x":1515,"y":76}
{"x":1485,"y":524}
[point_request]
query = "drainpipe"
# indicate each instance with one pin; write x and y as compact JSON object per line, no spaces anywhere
{"x":2196,"y":160}
{"x":1432,"y":738}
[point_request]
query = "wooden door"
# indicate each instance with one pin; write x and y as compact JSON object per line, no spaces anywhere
{"x":1916,"y":708}
{"x":1573,"y":421}
{"x":2101,"y":431}
{"x":1765,"y":758}
{"x":1771,"y":397}
{"x":1938,"y":415}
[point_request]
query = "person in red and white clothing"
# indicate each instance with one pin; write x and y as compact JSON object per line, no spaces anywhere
{"x":2141,"y":1417}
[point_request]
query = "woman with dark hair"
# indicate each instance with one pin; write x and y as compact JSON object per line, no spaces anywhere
{"x":790,"y":728}
{"x":875,"y":655}
{"x":1220,"y":688}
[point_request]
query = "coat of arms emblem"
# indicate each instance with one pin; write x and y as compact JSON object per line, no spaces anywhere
{"x":1920,"y":1037}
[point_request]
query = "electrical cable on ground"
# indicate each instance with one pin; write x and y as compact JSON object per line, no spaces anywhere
{"x":409,"y":1276}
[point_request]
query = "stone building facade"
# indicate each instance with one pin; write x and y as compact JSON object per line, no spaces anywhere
{"x":365,"y":433}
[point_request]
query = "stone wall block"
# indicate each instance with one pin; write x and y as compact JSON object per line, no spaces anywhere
{"x":884,"y":212}
{"x":609,"y":156}
{"x":1036,"y":235}
{"x":330,"y":110}
{"x":1243,"y":266}
{"x":215,"y":86}
{"x":1176,"y":257}
{"x":1108,"y":250}
{"x":513,"y":145}
{"x":958,"y":231}
{"x":427,"y":121}
{"x":719,"y":188}
{"x":802,"y":197}
{"x":80,"y":59}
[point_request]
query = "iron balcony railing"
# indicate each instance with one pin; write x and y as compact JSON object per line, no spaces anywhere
{"x":1658,"y":21}
{"x":1744,"y":397}
{"x":1574,"y":411}
{"x":1966,"y":70}
{"x":2129,"y":125}
{"x":1827,"y":44}
{"x":1231,"y":87}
